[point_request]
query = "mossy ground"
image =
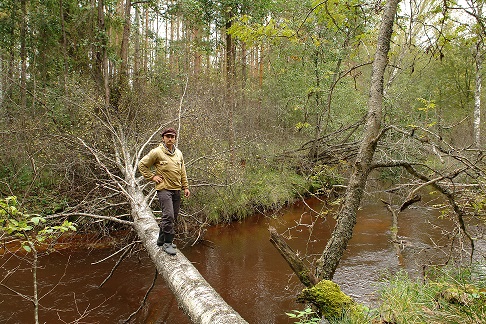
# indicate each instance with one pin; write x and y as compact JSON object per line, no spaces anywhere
{"x":327,"y":297}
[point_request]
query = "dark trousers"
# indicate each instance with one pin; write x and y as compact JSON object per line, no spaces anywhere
{"x":170,"y":203}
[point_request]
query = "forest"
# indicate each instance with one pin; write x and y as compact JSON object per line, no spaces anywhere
{"x":274,"y":102}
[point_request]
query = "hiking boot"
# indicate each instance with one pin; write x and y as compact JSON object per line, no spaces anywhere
{"x":161,"y":241}
{"x":161,"y":238}
{"x":169,"y":238}
{"x":169,"y":249}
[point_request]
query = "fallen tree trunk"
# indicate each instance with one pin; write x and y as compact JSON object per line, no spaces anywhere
{"x":199,"y":301}
{"x":305,"y":274}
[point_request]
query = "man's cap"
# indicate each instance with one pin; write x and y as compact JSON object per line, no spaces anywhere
{"x":169,"y":130}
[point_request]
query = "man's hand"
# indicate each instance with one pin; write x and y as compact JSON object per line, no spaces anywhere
{"x":157,"y":179}
{"x":187,"y":193}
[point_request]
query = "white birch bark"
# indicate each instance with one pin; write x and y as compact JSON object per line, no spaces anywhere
{"x":477,"y":96}
{"x":199,"y":301}
{"x":477,"y":14}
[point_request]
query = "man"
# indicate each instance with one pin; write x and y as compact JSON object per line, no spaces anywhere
{"x":170,"y":178}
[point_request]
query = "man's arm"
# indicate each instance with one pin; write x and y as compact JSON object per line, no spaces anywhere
{"x":145,"y":165}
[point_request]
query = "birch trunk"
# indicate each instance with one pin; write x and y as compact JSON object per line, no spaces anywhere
{"x":477,"y":96}
{"x":199,"y":301}
{"x":343,"y":230}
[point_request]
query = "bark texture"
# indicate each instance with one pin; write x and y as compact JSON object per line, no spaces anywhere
{"x":477,"y":93}
{"x":199,"y":301}
{"x":343,"y":231}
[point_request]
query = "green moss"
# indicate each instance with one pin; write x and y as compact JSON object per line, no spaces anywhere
{"x":327,"y":297}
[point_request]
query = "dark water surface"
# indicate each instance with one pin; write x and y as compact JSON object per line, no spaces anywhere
{"x":238,"y":260}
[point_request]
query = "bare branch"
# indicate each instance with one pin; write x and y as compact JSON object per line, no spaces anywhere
{"x":116,"y":265}
{"x":110,"y":218}
{"x":117,"y":180}
{"x":113,"y":254}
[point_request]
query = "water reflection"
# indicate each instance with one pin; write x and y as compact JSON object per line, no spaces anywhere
{"x":238,"y":261}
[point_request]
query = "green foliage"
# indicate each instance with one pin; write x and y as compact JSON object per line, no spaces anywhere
{"x":307,"y":316}
{"x":476,"y":201}
{"x":43,"y":197}
{"x":254,"y":33}
{"x":325,"y":176}
{"x":33,"y":229}
{"x":257,"y":188}
{"x":446,"y":296}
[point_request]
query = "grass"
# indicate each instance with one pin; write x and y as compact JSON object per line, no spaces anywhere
{"x":445,"y":295}
{"x":256,"y":189}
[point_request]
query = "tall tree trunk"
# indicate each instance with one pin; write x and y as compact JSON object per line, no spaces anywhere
{"x":244,"y":65}
{"x":146,"y":50}
{"x":124,"y":46}
{"x":100,"y":69}
{"x":171,"y":48}
{"x":478,"y":83}
{"x":104,"y":52}
{"x":230,"y":81}
{"x":261,"y":68}
{"x":137,"y":56}
{"x":317,"y":98}
{"x":64,"y":47}
{"x":343,"y":230}
{"x":23,"y":55}
{"x":477,"y":95}
{"x":197,"y":63}
{"x":9,"y":56}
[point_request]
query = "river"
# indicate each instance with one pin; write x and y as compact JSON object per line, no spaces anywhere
{"x":238,"y":260}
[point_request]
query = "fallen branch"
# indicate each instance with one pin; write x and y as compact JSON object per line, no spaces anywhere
{"x":109,"y":218}
{"x":305,"y":275}
{"x":116,"y":265}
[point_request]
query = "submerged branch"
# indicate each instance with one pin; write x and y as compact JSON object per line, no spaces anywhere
{"x":144,"y":300}
{"x":116,"y":265}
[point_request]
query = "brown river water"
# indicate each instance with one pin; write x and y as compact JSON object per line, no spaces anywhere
{"x":238,"y":260}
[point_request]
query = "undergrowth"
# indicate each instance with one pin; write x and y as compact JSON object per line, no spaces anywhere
{"x":256,"y":189}
{"x":445,"y":295}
